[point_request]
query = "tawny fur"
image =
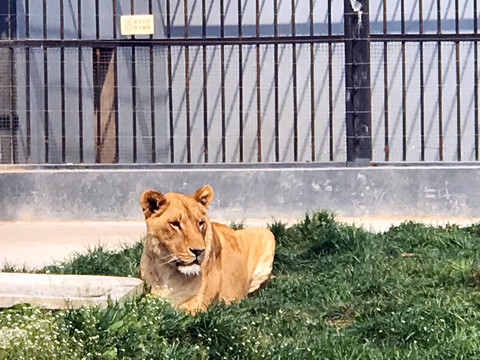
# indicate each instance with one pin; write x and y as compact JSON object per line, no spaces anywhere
{"x":193,"y":261}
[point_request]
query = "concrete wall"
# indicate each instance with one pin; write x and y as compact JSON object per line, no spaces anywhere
{"x":244,"y":192}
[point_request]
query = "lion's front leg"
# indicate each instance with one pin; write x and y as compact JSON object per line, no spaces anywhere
{"x":193,"y":306}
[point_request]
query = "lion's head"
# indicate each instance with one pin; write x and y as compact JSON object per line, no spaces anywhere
{"x":178,"y":228}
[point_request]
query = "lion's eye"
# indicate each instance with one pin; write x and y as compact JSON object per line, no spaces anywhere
{"x":175,"y":224}
{"x":201,"y":223}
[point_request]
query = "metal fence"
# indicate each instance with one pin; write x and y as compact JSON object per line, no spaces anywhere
{"x":424,"y":63}
{"x":246,"y":81}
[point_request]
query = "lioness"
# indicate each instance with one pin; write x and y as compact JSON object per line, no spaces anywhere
{"x":194,"y":261}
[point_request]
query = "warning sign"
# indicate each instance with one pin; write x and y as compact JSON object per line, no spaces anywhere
{"x":136,"y":24}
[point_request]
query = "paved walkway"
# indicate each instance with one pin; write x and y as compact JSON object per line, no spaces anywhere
{"x":36,"y":244}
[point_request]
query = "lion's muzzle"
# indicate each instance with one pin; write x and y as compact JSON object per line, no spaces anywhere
{"x":191,"y":267}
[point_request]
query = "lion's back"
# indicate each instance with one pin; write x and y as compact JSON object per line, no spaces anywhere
{"x":248,"y":251}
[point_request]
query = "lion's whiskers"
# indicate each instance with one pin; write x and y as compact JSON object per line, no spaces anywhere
{"x":171,"y":259}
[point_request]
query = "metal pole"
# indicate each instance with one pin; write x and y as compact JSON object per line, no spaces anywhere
{"x":357,"y":82}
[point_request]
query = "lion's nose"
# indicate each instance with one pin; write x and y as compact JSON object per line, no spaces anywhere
{"x":197,"y":252}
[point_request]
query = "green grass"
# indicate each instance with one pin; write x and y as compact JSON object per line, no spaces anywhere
{"x":338,"y":292}
{"x":235,"y":225}
{"x":101,"y":261}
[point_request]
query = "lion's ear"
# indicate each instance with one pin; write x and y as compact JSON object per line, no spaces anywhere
{"x":204,"y":195}
{"x":152,"y":202}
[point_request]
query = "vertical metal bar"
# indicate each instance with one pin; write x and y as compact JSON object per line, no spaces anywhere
{"x":13,"y":113}
{"x":187,"y":83}
{"x":114,"y":18}
{"x":205,"y":80}
{"x":115,"y":82}
{"x":458,"y":85}
{"x":312,"y":87}
{"x":259,"y":107}
{"x":98,"y":89}
{"x":240,"y":82}
{"x":222,"y":80}
{"x":134,"y":106}
{"x":440,"y":81}
{"x":475,"y":84}
{"x":97,"y":19}
{"x":27,"y":84}
{"x":12,"y":117}
{"x":134,"y":93}
{"x":45,"y":86}
{"x":170,"y":89}
{"x":275,"y":75}
{"x":14,"y":123}
{"x":97,"y":105}
{"x":204,"y":20}
{"x":80,"y":85}
{"x":152,"y":93}
{"x":422,"y":85}
{"x":385,"y":86}
{"x":62,"y":82}
{"x":330,"y":86}
{"x":404,"y":87}
{"x":294,"y":76}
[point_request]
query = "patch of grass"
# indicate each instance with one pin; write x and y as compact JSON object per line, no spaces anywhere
{"x":8,"y":268}
{"x":100,"y":261}
{"x":237,"y":225}
{"x":338,"y":292}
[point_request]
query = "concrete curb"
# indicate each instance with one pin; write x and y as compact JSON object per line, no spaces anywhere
{"x":65,"y":291}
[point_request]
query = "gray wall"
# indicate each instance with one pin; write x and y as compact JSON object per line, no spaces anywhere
{"x":243,"y":192}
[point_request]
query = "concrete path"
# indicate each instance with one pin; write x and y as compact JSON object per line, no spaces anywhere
{"x":36,"y":244}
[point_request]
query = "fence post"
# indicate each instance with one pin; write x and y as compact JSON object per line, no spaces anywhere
{"x":357,"y":82}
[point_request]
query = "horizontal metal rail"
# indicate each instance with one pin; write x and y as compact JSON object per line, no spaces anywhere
{"x":172,"y":41}
{"x":261,"y":40}
{"x":423,"y":38}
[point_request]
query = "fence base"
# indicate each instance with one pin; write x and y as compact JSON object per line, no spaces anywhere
{"x":242,"y":193}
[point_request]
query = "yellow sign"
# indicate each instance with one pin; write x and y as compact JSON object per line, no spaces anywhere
{"x":136,"y":25}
